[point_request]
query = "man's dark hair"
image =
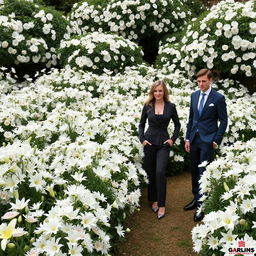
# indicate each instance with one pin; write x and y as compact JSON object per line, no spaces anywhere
{"x":204,"y":72}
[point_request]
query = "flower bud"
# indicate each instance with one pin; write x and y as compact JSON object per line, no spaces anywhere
{"x":32,"y":240}
{"x":128,"y":230}
{"x":115,"y":205}
{"x":51,"y":192}
{"x":12,"y":169}
{"x":20,"y":219}
{"x":16,"y":194}
{"x":26,"y":209}
{"x":243,"y":222}
{"x":226,"y":186}
{"x":26,"y":248}
{"x":35,"y":149}
{"x":11,"y":245}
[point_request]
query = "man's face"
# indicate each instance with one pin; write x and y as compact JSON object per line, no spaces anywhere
{"x":203,"y":83}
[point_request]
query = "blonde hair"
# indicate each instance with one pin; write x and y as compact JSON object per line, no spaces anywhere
{"x":151,"y":98}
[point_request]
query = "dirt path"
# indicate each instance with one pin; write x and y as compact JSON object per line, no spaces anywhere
{"x":170,"y":236}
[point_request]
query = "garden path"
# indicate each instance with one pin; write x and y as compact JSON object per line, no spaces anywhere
{"x":170,"y":236}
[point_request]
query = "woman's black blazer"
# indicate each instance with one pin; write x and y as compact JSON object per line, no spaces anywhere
{"x":157,"y":132}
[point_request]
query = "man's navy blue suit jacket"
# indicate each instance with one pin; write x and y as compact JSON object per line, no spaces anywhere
{"x":214,"y":111}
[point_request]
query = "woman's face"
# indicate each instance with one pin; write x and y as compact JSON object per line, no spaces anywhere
{"x":159,"y":93}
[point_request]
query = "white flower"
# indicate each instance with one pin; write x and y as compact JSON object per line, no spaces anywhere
{"x":9,"y":231}
{"x":228,"y":238}
{"x":213,"y":242}
{"x":228,"y":219}
{"x":49,"y":16}
{"x":33,"y":48}
{"x":19,"y":204}
{"x":247,"y":205}
{"x":224,"y":47}
{"x":88,"y":220}
{"x":120,"y":231}
{"x":10,"y":215}
{"x":5,"y":44}
{"x":47,"y":28}
{"x":37,"y":181}
{"x":75,"y":250}
{"x":52,"y":246}
{"x":106,"y":56}
{"x":8,"y":135}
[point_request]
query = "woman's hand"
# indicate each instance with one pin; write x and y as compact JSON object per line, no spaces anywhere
{"x":145,"y":142}
{"x":169,"y":141}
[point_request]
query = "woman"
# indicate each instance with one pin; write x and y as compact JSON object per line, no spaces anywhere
{"x":157,"y":143}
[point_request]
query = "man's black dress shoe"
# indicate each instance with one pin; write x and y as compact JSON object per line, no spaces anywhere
{"x":192,"y":205}
{"x":198,"y":216}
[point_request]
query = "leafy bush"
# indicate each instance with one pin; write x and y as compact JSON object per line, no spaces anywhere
{"x":131,"y":19}
{"x":29,"y":34}
{"x":196,"y":7}
{"x":137,"y":19}
{"x":230,"y":207}
{"x":222,"y":38}
{"x":98,"y":52}
{"x":141,"y":21}
{"x":86,"y":17}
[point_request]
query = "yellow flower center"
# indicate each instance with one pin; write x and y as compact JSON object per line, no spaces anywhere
{"x":55,"y":248}
{"x":228,"y":221}
{"x":7,"y":233}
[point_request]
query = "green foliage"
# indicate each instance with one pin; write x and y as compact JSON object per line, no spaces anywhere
{"x":61,"y":5}
{"x":196,"y":7}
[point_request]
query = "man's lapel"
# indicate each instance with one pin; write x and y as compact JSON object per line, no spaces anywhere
{"x":195,"y":106}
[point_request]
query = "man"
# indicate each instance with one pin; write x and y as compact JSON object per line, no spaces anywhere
{"x":204,"y":134}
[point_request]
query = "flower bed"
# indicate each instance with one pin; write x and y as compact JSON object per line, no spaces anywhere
{"x":66,"y":141}
{"x":230,"y":207}
{"x":132,"y":82}
{"x":64,"y":149}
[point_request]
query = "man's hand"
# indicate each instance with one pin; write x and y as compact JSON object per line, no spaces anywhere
{"x":187,"y":146}
{"x":215,"y":145}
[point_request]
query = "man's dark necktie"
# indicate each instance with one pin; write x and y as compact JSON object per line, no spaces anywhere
{"x":201,"y":104}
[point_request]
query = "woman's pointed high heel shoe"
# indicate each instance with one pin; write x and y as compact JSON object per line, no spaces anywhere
{"x":160,"y":216}
{"x":155,"y":209}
